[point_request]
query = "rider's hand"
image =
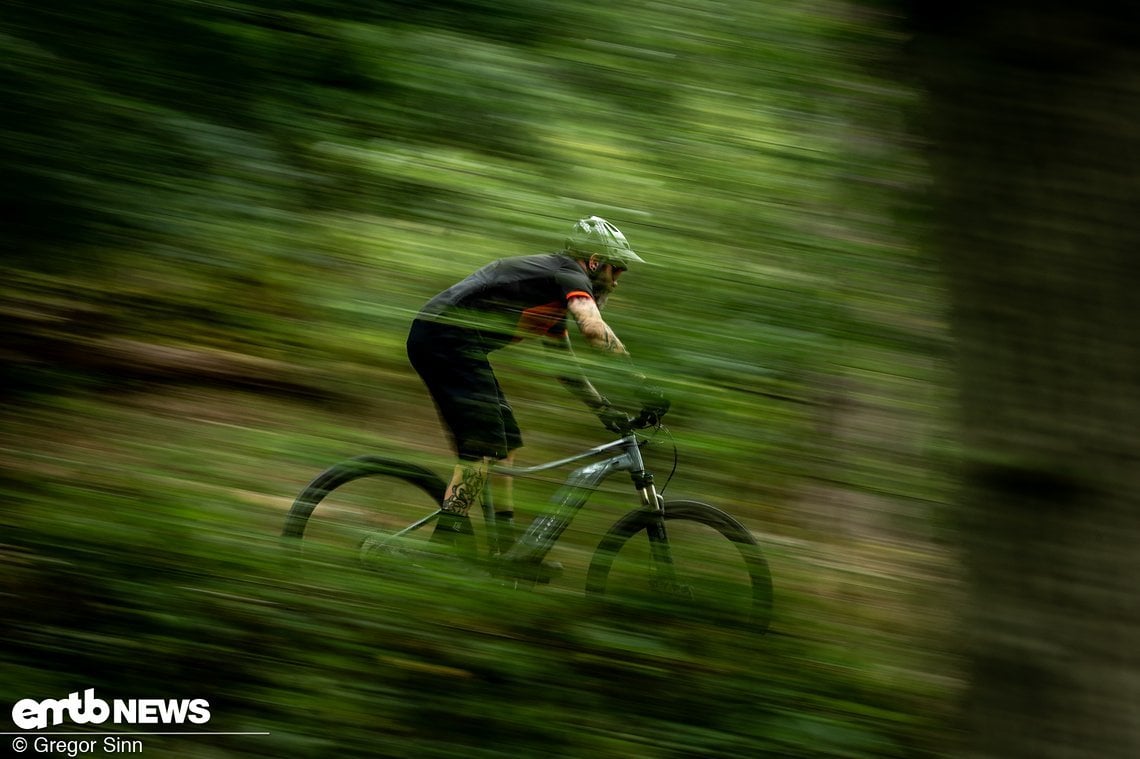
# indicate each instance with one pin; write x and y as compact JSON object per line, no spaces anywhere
{"x":613,"y":419}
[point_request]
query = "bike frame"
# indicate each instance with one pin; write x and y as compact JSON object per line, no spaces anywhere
{"x":544,"y":532}
{"x":533,"y":545}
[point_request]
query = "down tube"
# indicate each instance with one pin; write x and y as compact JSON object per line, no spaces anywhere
{"x":545,"y":530}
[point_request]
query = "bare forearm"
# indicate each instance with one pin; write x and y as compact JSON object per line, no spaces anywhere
{"x":582,"y":389}
{"x":599,"y":335}
{"x":601,"y":338}
{"x":594,"y":329}
{"x":570,"y":373}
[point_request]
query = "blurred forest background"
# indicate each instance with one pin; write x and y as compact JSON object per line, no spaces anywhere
{"x":223,"y":216}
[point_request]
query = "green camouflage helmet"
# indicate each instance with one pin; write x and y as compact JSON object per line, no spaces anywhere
{"x":597,"y":237}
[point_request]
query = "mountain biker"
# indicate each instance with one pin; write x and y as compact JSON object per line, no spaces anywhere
{"x":503,"y":302}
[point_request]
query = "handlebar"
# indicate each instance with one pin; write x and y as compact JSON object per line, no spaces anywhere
{"x":654,"y":406}
{"x":648,"y":418}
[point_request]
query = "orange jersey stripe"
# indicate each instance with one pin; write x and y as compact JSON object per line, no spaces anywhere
{"x":579,"y":294}
{"x":547,"y":319}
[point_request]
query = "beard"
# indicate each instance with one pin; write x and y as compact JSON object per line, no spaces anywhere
{"x":603,"y":285}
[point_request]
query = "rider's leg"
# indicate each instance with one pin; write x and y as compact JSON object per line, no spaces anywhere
{"x":505,"y":507}
{"x":454,"y":366}
{"x":466,"y":487}
{"x":463,"y":492}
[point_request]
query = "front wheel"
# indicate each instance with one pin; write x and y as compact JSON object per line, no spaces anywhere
{"x":693,"y":556}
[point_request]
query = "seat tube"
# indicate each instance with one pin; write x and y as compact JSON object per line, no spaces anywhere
{"x":489,"y":519}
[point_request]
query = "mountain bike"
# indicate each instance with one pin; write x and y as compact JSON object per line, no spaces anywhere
{"x":682,"y":552}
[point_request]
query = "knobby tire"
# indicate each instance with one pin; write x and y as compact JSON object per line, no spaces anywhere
{"x":752,"y":567}
{"x":339,"y":475}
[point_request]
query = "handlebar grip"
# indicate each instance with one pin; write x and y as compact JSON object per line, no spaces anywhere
{"x":651,"y":413}
{"x":654,"y":406}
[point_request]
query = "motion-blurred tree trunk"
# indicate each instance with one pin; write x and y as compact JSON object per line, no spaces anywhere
{"x":1034,"y":121}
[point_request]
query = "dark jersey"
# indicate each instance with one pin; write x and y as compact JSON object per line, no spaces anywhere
{"x":511,"y":298}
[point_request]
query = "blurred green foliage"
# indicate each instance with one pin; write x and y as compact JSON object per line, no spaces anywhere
{"x":153,"y":570}
{"x":262,"y":194}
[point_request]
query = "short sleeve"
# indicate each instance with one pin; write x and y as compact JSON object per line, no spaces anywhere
{"x":573,"y":281}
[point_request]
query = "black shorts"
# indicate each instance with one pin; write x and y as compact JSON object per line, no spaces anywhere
{"x":452,"y":361}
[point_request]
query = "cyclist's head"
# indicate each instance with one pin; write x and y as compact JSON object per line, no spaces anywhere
{"x":597,"y":239}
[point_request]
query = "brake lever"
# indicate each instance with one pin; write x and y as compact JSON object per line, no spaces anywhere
{"x":651,"y":417}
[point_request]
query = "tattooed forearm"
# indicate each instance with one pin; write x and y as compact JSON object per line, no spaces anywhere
{"x":594,"y":328}
{"x":610,"y":341}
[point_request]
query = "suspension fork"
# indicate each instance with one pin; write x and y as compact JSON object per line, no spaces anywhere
{"x":662,"y":574}
{"x":643,"y":481}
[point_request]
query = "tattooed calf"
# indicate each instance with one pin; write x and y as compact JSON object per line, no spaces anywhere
{"x":468,"y":491}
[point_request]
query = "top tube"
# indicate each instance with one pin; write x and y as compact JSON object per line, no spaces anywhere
{"x":511,"y":471}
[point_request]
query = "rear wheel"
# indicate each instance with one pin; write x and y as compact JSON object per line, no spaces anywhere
{"x":697,"y":560}
{"x":369,"y":509}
